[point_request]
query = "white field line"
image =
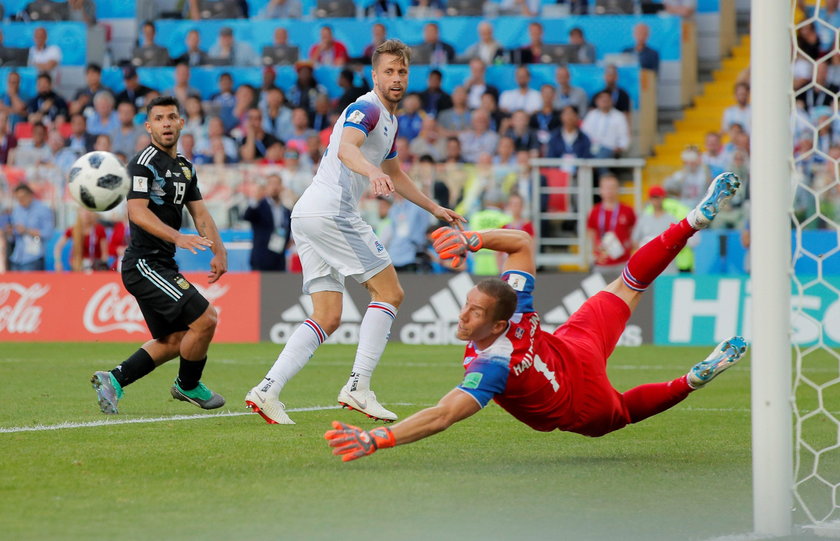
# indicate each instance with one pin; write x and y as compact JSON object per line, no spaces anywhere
{"x":145,"y":420}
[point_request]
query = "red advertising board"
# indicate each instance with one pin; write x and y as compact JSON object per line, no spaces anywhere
{"x":95,"y":307}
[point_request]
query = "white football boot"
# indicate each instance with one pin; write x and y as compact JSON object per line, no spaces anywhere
{"x":271,"y":409}
{"x":365,"y":402}
{"x":724,"y":356}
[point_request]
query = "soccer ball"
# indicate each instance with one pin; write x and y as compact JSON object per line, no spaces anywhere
{"x":98,"y":181}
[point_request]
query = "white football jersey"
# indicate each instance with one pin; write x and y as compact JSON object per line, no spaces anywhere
{"x":336,"y":190}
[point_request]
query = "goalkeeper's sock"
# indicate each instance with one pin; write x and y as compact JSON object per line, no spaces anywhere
{"x":135,"y":367}
{"x":373,"y":336}
{"x":652,"y":398}
{"x":297,"y":352}
{"x":651,"y":259}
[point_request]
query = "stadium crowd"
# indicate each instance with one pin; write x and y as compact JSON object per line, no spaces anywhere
{"x":469,"y":149}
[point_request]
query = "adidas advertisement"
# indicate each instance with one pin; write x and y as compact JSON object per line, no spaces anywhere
{"x":429,"y":314}
{"x":704,"y":310}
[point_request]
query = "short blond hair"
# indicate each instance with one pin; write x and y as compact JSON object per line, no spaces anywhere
{"x":393,"y":47}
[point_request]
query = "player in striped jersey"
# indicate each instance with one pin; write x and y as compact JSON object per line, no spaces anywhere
{"x":181,"y":321}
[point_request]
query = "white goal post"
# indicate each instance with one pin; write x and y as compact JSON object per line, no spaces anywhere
{"x":771,"y":168}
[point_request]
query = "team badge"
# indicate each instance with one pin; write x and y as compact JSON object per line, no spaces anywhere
{"x":379,"y":246}
{"x":187,"y":172}
{"x":519,"y":333}
{"x":182,"y":282}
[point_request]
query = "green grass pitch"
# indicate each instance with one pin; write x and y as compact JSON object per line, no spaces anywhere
{"x":685,"y":474}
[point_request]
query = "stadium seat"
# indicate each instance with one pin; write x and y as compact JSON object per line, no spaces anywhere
{"x":464,"y":8}
{"x":614,"y":7}
{"x":23,"y":130}
{"x":14,"y":56}
{"x":335,"y":8}
{"x":47,"y":10}
{"x":280,"y":55}
{"x":219,"y":9}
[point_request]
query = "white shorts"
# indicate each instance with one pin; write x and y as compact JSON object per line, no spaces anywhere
{"x":334,"y":247}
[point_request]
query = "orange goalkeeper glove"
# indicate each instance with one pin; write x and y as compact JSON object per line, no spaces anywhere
{"x":451,"y":243}
{"x":353,"y":442}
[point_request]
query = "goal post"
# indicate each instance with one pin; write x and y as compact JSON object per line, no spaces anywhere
{"x":770,"y":168}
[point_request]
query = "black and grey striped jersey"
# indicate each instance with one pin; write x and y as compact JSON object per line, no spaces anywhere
{"x":167,"y":183}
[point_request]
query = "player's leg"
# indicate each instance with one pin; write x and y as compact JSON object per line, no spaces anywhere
{"x":647,"y":400}
{"x":325,"y":319}
{"x":201,"y":318}
{"x":652,"y":258}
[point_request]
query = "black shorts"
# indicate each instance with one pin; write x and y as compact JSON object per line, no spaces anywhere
{"x":168,"y":301}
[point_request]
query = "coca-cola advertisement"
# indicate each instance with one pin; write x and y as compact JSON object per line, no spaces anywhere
{"x":95,"y":307}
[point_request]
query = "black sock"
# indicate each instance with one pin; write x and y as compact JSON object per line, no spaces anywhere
{"x":190,"y":373}
{"x":135,"y":367}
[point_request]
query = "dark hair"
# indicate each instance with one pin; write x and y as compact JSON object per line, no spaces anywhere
{"x":44,"y":75}
{"x":436,"y":72}
{"x":576,"y":30}
{"x":572,"y":107}
{"x":94,"y":67}
{"x":505,"y":296}
{"x":22,"y":187}
{"x":162,"y":101}
{"x":426,"y":158}
{"x":149,"y":22}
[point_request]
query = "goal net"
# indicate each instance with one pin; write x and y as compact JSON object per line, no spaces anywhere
{"x":815,"y":264}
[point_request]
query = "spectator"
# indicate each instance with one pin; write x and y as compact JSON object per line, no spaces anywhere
{"x":83,"y":11}
{"x":298,"y":178}
{"x":829,"y":13}
{"x":523,"y":136}
{"x":384,"y":8}
{"x":584,"y":51}
{"x":610,"y":228}
{"x":606,"y":128}
{"x":8,"y":142}
{"x":45,"y":58}
{"x":653,"y":222}
{"x":378,"y":37}
{"x":186,"y":145}
{"x":568,"y":94}
{"x":233,"y":52}
{"x":815,"y":96}
{"x":306,"y":89}
{"x":89,"y":248}
{"x":436,"y":51}
{"x":322,"y":118}
{"x":569,"y":141}
{"x":61,"y":157}
{"x":426,"y":176}
{"x":193,"y":56}
{"x":31,"y":225}
{"x":80,"y":141}
{"x":281,"y":9}
{"x":740,"y":113}
{"x":282,"y":46}
{"x":648,"y":58}
{"x":83,"y":102}
{"x":522,"y":98}
{"x":486,"y":49}
{"x":479,"y":139}
{"x":225,"y":102}
{"x":301,"y":132}
{"x":12,"y":101}
{"x":206,"y":148}
{"x":182,"y":89}
{"x":454,"y":154}
{"x":406,"y":234}
{"x":402,"y":146}
{"x":427,"y":9}
{"x":525,"y":8}
{"x":47,"y":105}
{"x":715,"y":157}
{"x":276,"y":115}
{"x":547,"y":119}
{"x":532,"y":52}
{"x":134,"y":92}
{"x":272,"y":226}
{"x":498,"y":119}
{"x":195,"y":121}
{"x":328,"y":51}
{"x":619,"y":97}
{"x":476,"y":84}
{"x":256,"y":140}
{"x":457,"y":118}
{"x":505,"y":155}
{"x":352,"y":92}
{"x":429,"y":141}
{"x":515,"y":208}
{"x":689,"y":183}
{"x":680,"y":8}
{"x":410,"y":120}
{"x":127,"y":132}
{"x":314,"y":148}
{"x":434,"y":99}
{"x":246,"y":99}
{"x":103,"y":143}
{"x":104,"y":119}
{"x":576,"y":7}
{"x":150,"y":53}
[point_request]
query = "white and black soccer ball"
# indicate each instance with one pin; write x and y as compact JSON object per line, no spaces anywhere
{"x":98,"y":181}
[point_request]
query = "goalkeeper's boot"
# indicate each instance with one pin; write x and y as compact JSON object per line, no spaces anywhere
{"x":108,"y":391}
{"x":720,"y":191}
{"x":726,"y":354}
{"x":201,"y":396}
{"x":271,"y":409}
{"x":365,"y":402}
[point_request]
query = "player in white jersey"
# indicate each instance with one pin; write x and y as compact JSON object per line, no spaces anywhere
{"x":334,"y":242}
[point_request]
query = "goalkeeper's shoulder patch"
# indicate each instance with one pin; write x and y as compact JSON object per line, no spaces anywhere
{"x":472,"y":380}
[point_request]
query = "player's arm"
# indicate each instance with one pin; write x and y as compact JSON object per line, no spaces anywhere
{"x":353,"y":442}
{"x":453,"y":244}
{"x":406,"y":188}
{"x":206,"y":227}
{"x":350,"y":154}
